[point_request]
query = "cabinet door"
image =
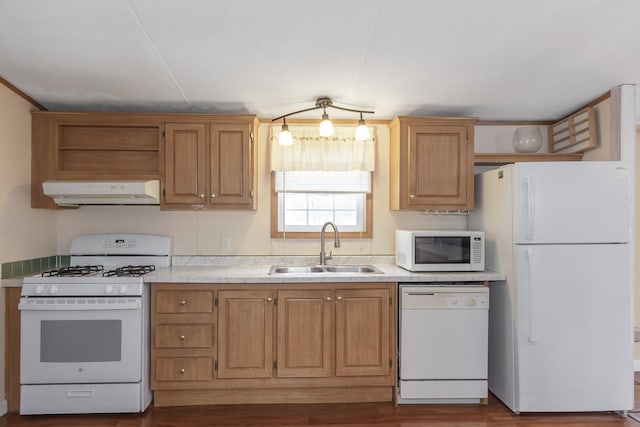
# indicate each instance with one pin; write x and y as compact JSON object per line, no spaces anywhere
{"x":184,"y":168}
{"x":245,"y":333}
{"x":231,"y":165}
{"x":362,"y":332}
{"x":304,"y":333}
{"x":439,"y":167}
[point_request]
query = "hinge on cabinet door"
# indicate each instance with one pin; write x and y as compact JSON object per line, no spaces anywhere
{"x":390,"y":363}
{"x":164,"y":135}
{"x":215,"y":301}
{"x":275,"y":364}
{"x":251,"y":136}
{"x":275,"y":301}
{"x":163,"y":193}
{"x":390,"y":301}
{"x":215,"y":365}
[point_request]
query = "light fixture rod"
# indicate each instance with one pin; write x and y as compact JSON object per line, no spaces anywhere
{"x":323,"y":102}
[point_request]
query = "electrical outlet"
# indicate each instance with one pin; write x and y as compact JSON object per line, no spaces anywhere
{"x":225,"y":243}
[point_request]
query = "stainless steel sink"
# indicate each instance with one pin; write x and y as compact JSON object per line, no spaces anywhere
{"x":330,"y":269}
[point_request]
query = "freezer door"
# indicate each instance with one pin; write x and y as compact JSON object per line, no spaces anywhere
{"x":574,"y":328}
{"x":571,"y":202}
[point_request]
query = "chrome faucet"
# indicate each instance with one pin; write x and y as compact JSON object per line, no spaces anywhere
{"x":336,"y":242}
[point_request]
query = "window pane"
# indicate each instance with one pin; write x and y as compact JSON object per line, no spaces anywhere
{"x":320,"y":217}
{"x":346,"y":218}
{"x":295,"y":218}
{"x":295,"y":201}
{"x":347,"y":201}
{"x":320,"y":201}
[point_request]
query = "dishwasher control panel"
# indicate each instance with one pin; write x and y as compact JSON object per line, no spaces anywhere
{"x":438,"y":297}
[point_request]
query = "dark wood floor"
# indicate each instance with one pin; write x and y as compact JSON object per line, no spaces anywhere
{"x":345,"y":415}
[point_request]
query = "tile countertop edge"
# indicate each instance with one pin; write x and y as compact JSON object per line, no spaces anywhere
{"x":260,"y":274}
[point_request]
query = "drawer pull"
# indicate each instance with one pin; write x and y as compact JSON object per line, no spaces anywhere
{"x":269,"y":299}
{"x":339,"y":298}
{"x":183,"y":302}
{"x":182,"y":337}
{"x":183,"y":370}
{"x":328,"y":298}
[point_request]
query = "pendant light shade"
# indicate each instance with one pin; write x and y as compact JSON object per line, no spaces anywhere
{"x":362,"y":131}
{"x":326,"y":127}
{"x":285,"y":137}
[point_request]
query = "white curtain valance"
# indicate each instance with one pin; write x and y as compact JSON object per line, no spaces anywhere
{"x":311,"y":152}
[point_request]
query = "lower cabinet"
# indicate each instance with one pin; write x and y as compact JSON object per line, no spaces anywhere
{"x":273,"y":343}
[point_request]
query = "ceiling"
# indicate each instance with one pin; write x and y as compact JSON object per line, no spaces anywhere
{"x":492,"y":59}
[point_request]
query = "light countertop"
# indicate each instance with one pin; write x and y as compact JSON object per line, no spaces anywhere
{"x":256,"y":270}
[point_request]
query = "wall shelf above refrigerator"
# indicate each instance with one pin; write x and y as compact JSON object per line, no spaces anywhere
{"x":492,"y":159}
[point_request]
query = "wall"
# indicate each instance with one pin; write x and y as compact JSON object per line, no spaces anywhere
{"x":24,"y":233}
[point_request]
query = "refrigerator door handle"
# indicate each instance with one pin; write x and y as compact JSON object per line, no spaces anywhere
{"x":531,"y":208}
{"x":533,"y":337}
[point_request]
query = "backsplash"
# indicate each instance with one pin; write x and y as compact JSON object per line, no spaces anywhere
{"x":32,"y":266}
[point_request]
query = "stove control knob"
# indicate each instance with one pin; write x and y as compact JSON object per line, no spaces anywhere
{"x":108,"y":289}
{"x":39,"y":289}
{"x":53,"y":289}
{"x":123,"y":289}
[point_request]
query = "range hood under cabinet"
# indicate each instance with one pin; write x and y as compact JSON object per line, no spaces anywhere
{"x":75,"y":193}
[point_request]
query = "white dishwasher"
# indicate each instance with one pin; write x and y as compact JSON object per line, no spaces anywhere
{"x":443,"y":339}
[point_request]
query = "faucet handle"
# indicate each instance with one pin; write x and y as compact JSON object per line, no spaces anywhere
{"x":330,"y":256}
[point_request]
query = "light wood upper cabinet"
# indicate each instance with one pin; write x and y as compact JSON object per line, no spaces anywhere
{"x":184,"y":169}
{"x":210,"y":165}
{"x":92,"y":146}
{"x":431,"y":163}
{"x":245,"y":333}
{"x":304,"y":333}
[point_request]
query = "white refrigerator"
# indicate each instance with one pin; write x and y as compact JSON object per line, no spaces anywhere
{"x":561,"y":325}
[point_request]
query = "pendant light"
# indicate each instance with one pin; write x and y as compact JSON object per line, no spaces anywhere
{"x":326,"y":127}
{"x":285,"y":138}
{"x":362,"y":131}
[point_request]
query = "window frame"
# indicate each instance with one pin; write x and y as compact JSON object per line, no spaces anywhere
{"x":368,"y":217}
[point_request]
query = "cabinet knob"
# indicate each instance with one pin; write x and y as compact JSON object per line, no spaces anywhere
{"x":328,"y":298}
{"x":213,"y":196}
{"x":269,"y":299}
{"x":183,"y":302}
{"x":182,"y":370}
{"x":182,"y":337}
{"x":202,"y":196}
{"x":412,"y":196}
{"x":339,"y":298}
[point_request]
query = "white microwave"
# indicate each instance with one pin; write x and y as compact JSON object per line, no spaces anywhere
{"x":440,"y":250}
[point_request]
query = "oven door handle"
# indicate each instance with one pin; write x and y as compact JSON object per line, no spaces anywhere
{"x":32,"y":306}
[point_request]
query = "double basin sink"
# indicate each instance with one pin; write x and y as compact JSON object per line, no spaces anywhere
{"x":328,"y":269}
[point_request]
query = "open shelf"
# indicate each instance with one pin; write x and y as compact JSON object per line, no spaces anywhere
{"x":492,"y":159}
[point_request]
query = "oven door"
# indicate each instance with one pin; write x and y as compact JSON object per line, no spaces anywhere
{"x":80,"y":340}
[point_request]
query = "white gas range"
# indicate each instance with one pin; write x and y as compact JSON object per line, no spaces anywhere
{"x":85,"y":328}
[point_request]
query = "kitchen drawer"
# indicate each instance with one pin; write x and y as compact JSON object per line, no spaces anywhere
{"x":179,"y":336}
{"x":184,"y":369}
{"x":184,"y":302}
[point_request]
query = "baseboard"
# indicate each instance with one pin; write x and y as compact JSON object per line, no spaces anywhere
{"x":636,"y":365}
{"x":3,"y":407}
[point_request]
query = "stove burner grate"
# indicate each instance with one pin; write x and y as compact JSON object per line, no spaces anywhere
{"x":130,"y":271}
{"x":74,"y":270}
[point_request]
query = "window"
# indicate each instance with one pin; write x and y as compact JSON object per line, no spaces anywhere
{"x":319,"y":179}
{"x":305,"y":200}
